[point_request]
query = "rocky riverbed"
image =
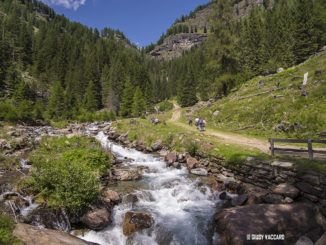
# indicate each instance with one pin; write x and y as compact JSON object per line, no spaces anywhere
{"x":148,"y":197}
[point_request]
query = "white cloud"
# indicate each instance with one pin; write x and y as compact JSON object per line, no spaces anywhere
{"x":69,"y":4}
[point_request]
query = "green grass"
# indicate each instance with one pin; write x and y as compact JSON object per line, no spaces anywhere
{"x":6,"y":228}
{"x":176,"y":138}
{"x":264,"y":112}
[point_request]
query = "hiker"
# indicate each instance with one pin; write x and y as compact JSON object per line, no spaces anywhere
{"x":152,"y":119}
{"x":190,"y":121}
{"x":200,"y":123}
{"x":196,"y":122}
{"x":204,"y":125}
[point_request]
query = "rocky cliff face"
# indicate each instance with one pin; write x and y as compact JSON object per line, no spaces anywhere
{"x":174,"y":46}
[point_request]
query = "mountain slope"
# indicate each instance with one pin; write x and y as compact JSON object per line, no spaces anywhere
{"x":273,"y":106}
{"x":191,"y":31}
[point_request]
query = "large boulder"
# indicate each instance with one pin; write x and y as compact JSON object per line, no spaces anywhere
{"x":294,"y":221}
{"x":111,"y":196}
{"x":126,"y":174}
{"x":134,"y":222}
{"x":97,"y":219}
{"x":31,"y":235}
{"x":157,"y":145}
{"x":191,"y":162}
{"x":287,"y":190}
{"x":171,"y":157}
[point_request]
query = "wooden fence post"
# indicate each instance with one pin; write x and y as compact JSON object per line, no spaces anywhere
{"x":272,"y":146}
{"x":311,"y":153}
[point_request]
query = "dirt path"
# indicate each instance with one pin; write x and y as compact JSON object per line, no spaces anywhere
{"x":227,"y":138}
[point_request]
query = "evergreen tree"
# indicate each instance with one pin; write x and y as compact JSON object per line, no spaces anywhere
{"x":138,"y":106}
{"x":305,"y":35}
{"x":23,"y":93}
{"x":127,"y":100}
{"x":187,"y":89}
{"x":56,"y":102}
{"x":90,"y":100}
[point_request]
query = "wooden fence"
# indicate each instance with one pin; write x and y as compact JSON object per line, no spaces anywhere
{"x":308,"y":142}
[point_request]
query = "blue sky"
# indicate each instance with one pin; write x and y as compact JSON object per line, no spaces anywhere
{"x":142,"y":21}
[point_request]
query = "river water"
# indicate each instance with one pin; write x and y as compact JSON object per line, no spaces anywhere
{"x":182,"y":207}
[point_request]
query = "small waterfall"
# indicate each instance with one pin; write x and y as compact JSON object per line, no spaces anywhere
{"x":181,"y":207}
{"x":25,"y":209}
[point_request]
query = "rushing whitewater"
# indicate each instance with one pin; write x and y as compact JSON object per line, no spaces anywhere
{"x":181,"y":207}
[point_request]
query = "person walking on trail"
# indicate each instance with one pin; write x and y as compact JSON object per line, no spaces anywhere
{"x":204,"y":125}
{"x":200,"y":123}
{"x":196,"y":122}
{"x":190,"y":121}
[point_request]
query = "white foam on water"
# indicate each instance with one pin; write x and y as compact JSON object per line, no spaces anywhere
{"x":182,"y":208}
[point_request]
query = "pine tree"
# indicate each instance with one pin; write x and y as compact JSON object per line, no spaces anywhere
{"x":90,"y":100}
{"x":23,"y":93}
{"x":187,"y":88}
{"x":305,"y":35}
{"x":56,"y":102}
{"x":127,"y":100}
{"x":138,"y":106}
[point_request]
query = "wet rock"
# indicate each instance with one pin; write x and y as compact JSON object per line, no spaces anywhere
{"x":163,"y":153}
{"x":126,"y":174}
{"x":131,"y":198}
{"x":96,"y":219}
{"x":31,"y":235}
{"x":321,"y":240}
{"x":293,"y":221}
{"x":223,"y":196}
{"x":304,"y":241}
{"x":112,"y":196}
{"x":134,"y":222}
{"x":51,"y":218}
{"x":113,"y":135}
{"x":239,"y":200}
{"x":191,"y":162}
{"x":157,"y":145}
{"x":287,"y":190}
{"x":176,"y":165}
{"x":171,"y":157}
{"x":199,"y":171}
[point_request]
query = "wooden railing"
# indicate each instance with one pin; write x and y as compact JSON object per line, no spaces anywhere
{"x":308,"y":141}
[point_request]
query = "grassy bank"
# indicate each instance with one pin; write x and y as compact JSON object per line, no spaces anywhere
{"x":302,"y":116}
{"x":66,"y":171}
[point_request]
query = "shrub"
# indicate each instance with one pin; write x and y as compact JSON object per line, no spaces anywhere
{"x":192,"y":147}
{"x":6,"y":228}
{"x":72,"y":185}
{"x":67,"y":171}
{"x":165,"y":106}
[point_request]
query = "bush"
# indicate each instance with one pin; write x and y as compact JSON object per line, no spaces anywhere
{"x":192,"y":147}
{"x":6,"y":228}
{"x":68,"y":170}
{"x":72,"y":185}
{"x":165,"y":106}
